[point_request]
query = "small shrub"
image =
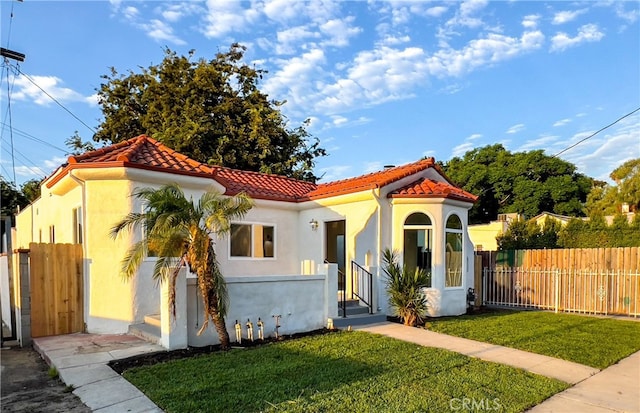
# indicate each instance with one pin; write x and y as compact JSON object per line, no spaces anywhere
{"x":53,"y":373}
{"x":404,"y":288}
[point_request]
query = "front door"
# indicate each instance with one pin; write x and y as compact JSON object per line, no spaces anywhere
{"x":335,"y":251}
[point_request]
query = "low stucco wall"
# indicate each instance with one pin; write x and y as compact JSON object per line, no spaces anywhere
{"x":4,"y":289}
{"x":302,"y":301}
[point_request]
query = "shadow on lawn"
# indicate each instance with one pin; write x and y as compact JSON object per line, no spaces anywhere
{"x":252,"y":379}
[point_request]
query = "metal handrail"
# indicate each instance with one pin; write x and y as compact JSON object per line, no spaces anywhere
{"x":364,"y":293}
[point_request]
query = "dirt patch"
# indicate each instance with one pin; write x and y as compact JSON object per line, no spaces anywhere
{"x":153,"y":358}
{"x":27,"y":387}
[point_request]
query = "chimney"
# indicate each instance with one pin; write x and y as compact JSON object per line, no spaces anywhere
{"x":384,"y":168}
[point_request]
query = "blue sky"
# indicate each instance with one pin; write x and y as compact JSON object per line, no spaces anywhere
{"x":382,"y":82}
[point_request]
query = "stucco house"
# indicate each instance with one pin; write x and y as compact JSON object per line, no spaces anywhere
{"x":276,"y":260}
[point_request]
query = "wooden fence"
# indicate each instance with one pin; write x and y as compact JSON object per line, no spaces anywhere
{"x":595,"y":281}
{"x":56,"y":289}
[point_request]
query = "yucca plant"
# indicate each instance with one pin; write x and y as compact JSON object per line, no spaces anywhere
{"x":404,"y":288}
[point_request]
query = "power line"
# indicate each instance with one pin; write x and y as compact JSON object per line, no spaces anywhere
{"x":54,"y":99}
{"x":35,"y":139}
{"x":13,"y":159}
{"x":596,"y":132}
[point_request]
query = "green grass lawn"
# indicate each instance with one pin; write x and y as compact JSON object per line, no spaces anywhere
{"x":339,"y":372}
{"x":593,"y":341}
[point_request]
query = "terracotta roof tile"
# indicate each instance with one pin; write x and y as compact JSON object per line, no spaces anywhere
{"x":427,"y":188}
{"x":369,"y":181}
{"x":260,"y":185}
{"x":143,"y":151}
{"x":147,"y":153}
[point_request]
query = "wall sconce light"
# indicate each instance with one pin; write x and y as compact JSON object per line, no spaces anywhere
{"x":314,"y":224}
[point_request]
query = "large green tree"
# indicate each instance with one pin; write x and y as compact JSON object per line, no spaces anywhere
{"x":524,"y":182}
{"x":607,"y":199}
{"x":12,"y":198}
{"x":178,"y":230}
{"x":211,"y":110}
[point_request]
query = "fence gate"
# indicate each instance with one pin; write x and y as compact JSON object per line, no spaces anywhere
{"x":56,"y":289}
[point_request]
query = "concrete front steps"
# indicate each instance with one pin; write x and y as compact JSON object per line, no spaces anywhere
{"x":148,"y":330}
{"x":357,"y":315}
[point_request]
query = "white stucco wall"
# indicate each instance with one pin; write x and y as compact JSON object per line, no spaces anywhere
{"x":299,"y":299}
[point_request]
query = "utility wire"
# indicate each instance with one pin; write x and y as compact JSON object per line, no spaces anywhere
{"x":10,"y":24}
{"x":35,"y":139}
{"x":596,"y":132}
{"x":13,"y":158}
{"x":54,"y":99}
{"x":36,"y":170}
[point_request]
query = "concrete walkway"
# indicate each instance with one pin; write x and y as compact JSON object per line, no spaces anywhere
{"x":615,"y":389}
{"x":81,"y":361}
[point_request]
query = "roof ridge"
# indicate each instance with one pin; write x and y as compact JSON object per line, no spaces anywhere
{"x":216,"y":168}
{"x":427,"y":161}
{"x":133,"y":147}
{"x":100,"y":151}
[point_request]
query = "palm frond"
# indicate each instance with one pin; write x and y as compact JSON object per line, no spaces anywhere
{"x":133,"y":258}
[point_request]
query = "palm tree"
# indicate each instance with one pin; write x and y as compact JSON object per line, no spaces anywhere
{"x":179,"y":232}
{"x":404,"y":288}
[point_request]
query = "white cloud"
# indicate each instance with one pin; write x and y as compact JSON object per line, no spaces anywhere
{"x":462,"y":149}
{"x":541,"y":142}
{"x":516,"y":128}
{"x":600,"y":155}
{"x":289,"y":39}
{"x":130,"y":12}
{"x":26,"y":90}
{"x":436,"y":11}
{"x":339,"y":120}
{"x":333,"y":173}
{"x":474,"y":136}
{"x":481,"y":52}
{"x":226,"y":16}
{"x":465,"y":16}
{"x":373,"y":166}
{"x":629,"y":15}
{"x":429,"y":153}
{"x":159,"y":30}
{"x":530,"y":21}
{"x":339,"y":31}
{"x":176,"y":11}
{"x":390,"y":40}
{"x":567,"y":16}
{"x":586,"y":33}
{"x":561,"y":122}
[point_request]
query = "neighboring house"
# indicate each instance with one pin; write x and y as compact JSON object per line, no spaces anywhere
{"x":293,"y":229}
{"x":483,"y":236}
{"x":542,"y":217}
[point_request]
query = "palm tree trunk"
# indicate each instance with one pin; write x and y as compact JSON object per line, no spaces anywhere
{"x":214,"y":294}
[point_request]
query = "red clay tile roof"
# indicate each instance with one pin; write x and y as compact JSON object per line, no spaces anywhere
{"x":428,"y":188}
{"x":143,"y":151}
{"x":261,"y":186}
{"x":369,"y":181}
{"x":147,"y":153}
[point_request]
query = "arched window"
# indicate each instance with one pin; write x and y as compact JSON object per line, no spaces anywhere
{"x":418,"y":242}
{"x":453,"y":251}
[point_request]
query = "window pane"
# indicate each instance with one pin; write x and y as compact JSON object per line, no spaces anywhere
{"x":262,"y":241}
{"x":454,"y":222}
{"x":417,"y":218}
{"x":417,"y":250}
{"x":267,"y":237}
{"x":453,"y":249}
{"x":240,"y":240}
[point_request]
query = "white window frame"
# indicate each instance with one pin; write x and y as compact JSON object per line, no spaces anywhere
{"x":428,"y":228}
{"x":462,"y":252}
{"x":252,"y":257}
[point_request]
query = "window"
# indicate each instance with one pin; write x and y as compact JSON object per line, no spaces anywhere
{"x":453,"y":251}
{"x":418,"y":243}
{"x":77,"y":225}
{"x":252,"y":241}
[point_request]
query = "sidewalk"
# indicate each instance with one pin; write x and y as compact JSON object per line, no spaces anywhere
{"x":81,"y":361}
{"x":615,"y":389}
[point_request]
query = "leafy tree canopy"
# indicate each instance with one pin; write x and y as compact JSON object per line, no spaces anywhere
{"x":209,"y":110}
{"x":525,"y":182}
{"x":12,"y":198}
{"x":606,"y":199}
{"x":31,"y":189}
